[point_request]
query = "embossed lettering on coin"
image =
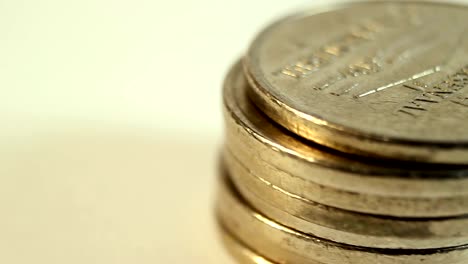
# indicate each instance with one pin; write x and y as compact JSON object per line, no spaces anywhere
{"x":387,"y":72}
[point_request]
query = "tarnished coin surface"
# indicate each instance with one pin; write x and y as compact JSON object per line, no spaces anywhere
{"x":287,"y":245}
{"x":383,"y":79}
{"x":331,"y":178}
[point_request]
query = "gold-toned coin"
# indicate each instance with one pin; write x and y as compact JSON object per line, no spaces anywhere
{"x":385,"y":79}
{"x":336,"y":180}
{"x":239,"y":251}
{"x":341,"y":225}
{"x":286,"y":245}
{"x":371,"y":202}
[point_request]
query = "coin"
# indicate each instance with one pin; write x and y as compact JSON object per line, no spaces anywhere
{"x":279,"y":242}
{"x":385,"y":79}
{"x":297,"y":166}
{"x":239,"y":251}
{"x":341,"y":225}
{"x":365,"y":202}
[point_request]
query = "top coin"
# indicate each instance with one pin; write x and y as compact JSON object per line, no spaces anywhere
{"x":387,"y":79}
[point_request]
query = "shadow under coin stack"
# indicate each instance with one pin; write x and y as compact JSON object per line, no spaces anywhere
{"x":347,"y":139}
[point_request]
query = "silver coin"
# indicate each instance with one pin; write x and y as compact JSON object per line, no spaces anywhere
{"x":329,"y":178}
{"x":239,"y":251}
{"x":383,"y":79}
{"x":286,"y":245}
{"x":340,"y":225}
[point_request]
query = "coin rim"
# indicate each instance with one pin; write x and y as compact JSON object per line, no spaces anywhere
{"x":234,"y":116}
{"x":263,"y":196}
{"x":237,"y":249}
{"x":259,"y":85}
{"x":245,"y":210}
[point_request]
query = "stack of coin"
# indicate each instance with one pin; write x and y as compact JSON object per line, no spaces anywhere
{"x":347,"y":138}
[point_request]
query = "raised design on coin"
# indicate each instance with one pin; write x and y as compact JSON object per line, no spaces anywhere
{"x":384,"y":72}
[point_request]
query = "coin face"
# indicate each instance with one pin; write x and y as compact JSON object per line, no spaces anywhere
{"x":329,"y":177}
{"x":388,"y":79}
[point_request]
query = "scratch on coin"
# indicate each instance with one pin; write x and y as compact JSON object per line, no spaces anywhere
{"x":460,"y":103}
{"x":412,"y":78}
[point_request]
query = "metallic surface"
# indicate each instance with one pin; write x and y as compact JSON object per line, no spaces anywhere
{"x":239,"y":251}
{"x":323,"y":176}
{"x":370,"y":79}
{"x":286,"y":245}
{"x":340,"y":225}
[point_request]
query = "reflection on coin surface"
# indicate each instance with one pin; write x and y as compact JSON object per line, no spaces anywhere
{"x":383,"y":79}
{"x":239,"y":251}
{"x":344,"y":226}
{"x":331,"y":178}
{"x":286,"y":245}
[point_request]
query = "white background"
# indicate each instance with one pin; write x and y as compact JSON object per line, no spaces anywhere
{"x":111,"y":123}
